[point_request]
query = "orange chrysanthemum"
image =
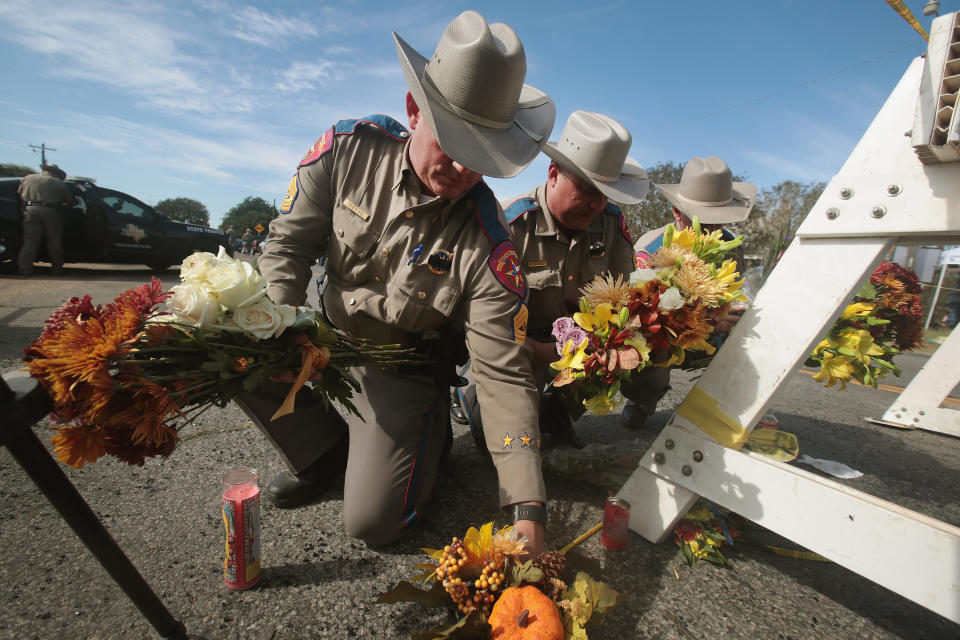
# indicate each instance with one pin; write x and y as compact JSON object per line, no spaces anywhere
{"x":691,"y":326}
{"x":892,"y":293}
{"x":76,"y":446}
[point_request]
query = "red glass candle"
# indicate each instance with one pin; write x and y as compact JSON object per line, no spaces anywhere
{"x":616,"y":523}
{"x":240,"y":501}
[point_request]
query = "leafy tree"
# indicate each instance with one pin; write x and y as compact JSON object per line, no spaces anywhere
{"x":248,"y":213}
{"x":10,"y":170}
{"x":775,"y":218}
{"x":184,"y":210}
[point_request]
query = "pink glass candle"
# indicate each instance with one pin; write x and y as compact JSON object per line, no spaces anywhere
{"x":240,"y":502}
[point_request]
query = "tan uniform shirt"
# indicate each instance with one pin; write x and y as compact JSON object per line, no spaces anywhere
{"x":45,"y":188}
{"x":356,"y":200}
{"x":558,"y":266}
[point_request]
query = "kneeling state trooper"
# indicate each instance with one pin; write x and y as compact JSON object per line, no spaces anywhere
{"x":416,"y":251}
{"x":567,"y":232}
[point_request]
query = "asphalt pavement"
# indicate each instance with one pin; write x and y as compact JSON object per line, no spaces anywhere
{"x":318,"y":583}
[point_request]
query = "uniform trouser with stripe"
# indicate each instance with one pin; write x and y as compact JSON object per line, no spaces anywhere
{"x":395,"y":447}
{"x":41,"y":223}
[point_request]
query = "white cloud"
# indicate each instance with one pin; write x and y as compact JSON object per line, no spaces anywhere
{"x":308,"y":75}
{"x":259,"y":27}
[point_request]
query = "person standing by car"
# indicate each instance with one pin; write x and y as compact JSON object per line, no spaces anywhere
{"x":247,"y":241}
{"x":232,"y":237}
{"x":41,"y":196}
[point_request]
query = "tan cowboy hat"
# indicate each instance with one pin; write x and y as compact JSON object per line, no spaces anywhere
{"x":707,"y":191}
{"x":594,"y":147}
{"x":54,"y":170}
{"x":472,"y":95}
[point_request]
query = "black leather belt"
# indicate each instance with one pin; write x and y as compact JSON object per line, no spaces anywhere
{"x":35,"y":203}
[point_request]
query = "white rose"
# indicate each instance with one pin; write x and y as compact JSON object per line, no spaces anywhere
{"x":194,"y":305}
{"x":264,"y":319}
{"x":235,"y":283}
{"x":670,"y":299}
{"x":642,"y":275}
{"x":195,"y":266}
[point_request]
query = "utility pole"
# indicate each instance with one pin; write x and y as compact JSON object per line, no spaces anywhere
{"x":43,"y":151}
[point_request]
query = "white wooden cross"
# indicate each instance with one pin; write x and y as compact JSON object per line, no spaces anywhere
{"x":884,"y":195}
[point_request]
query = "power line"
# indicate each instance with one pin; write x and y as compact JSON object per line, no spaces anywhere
{"x":43,"y":151}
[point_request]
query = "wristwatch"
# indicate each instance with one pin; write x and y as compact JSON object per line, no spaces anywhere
{"x":534,"y":512}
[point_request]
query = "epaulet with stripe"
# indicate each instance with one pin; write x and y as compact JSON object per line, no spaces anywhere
{"x":387,"y":125}
{"x":518,"y":207}
{"x":503,"y":260}
{"x":614,"y":210}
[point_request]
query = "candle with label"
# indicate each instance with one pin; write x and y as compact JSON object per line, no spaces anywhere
{"x":240,"y":506}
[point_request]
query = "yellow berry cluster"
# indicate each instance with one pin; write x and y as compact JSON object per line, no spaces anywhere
{"x":467,"y":595}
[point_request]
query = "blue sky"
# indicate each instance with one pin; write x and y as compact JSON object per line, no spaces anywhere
{"x":217,"y":100}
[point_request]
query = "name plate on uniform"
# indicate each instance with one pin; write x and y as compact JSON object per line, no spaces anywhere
{"x":356,"y":209}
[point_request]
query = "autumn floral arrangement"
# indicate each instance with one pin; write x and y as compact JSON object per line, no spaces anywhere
{"x":702,"y":532}
{"x":665,"y":310}
{"x":124,"y":378}
{"x":884,"y":320}
{"x":500,"y":595}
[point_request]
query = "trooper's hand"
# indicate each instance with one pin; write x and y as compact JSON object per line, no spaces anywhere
{"x":726,"y":322}
{"x":533,"y":531}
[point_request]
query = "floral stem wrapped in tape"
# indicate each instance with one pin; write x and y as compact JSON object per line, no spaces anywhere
{"x":126,"y":377}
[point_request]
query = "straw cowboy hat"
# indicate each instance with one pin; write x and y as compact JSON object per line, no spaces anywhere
{"x":54,"y":170}
{"x":594,"y":147}
{"x":707,"y":191}
{"x":472,"y":95}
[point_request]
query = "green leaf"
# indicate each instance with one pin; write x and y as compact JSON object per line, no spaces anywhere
{"x":607,"y":599}
{"x":688,"y":555}
{"x":436,"y":596}
{"x":867,"y":291}
{"x":874,"y":321}
{"x":471,"y":627}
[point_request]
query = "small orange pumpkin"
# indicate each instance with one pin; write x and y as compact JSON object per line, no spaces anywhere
{"x":525,"y":613}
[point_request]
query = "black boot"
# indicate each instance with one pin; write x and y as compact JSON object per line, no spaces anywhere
{"x":288,"y":490}
{"x":456,"y":410}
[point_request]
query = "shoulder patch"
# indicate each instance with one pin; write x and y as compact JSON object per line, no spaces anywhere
{"x":519,"y":207}
{"x":385,"y":124}
{"x":506,"y":268}
{"x":487,"y":213}
{"x":645,"y":253}
{"x":614,"y":210}
{"x":320,"y":147}
{"x":292,"y":192}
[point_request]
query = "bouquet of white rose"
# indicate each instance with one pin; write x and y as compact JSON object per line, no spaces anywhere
{"x":125,"y":378}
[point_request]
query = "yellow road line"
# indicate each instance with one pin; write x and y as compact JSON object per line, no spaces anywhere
{"x":892,"y":388}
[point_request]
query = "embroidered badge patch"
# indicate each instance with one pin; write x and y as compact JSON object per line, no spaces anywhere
{"x":320,"y":147}
{"x":520,"y":323}
{"x":506,"y":268}
{"x":292,"y":191}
